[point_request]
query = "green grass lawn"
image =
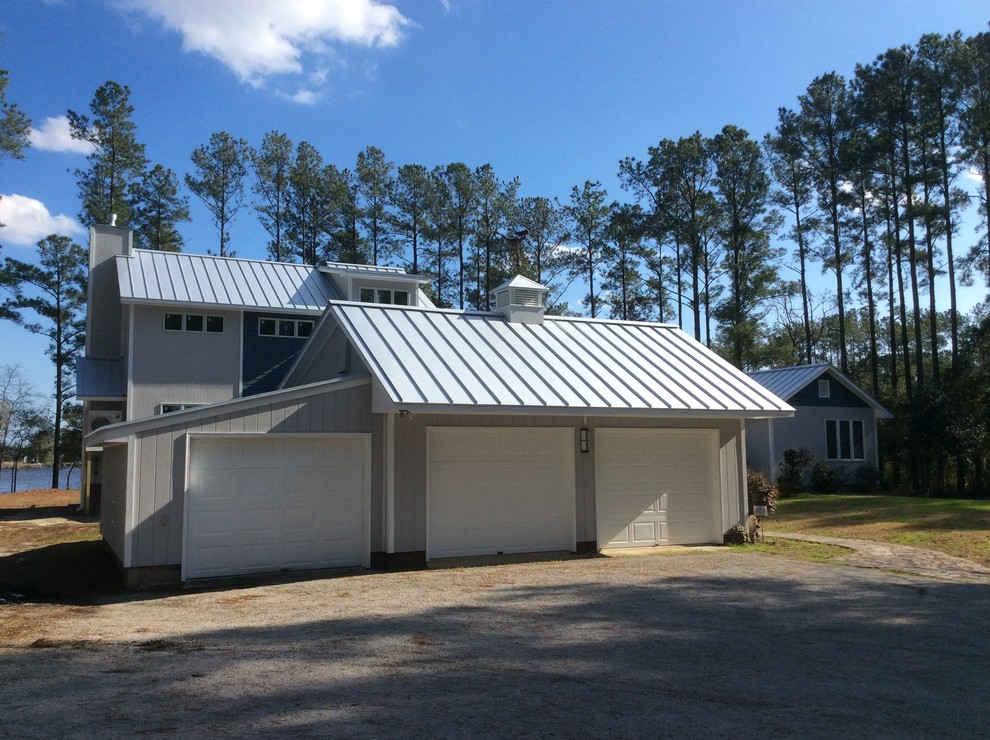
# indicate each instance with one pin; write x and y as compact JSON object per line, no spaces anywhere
{"x":959,"y":527}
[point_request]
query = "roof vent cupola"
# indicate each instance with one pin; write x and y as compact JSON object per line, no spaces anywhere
{"x":521,"y":300}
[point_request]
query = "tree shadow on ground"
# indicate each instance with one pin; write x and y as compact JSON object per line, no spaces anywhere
{"x":793,"y":649}
{"x":68,"y":573}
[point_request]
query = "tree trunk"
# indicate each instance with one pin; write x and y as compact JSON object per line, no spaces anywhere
{"x":840,"y":298}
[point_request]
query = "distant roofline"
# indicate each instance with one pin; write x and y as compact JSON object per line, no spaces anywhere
{"x":823,"y":367}
{"x":496,"y":315}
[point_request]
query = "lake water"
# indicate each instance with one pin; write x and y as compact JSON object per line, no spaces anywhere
{"x":29,"y":479}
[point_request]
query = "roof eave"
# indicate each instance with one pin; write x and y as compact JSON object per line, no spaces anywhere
{"x":380,"y":406}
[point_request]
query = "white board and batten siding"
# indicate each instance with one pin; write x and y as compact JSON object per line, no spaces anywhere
{"x":657,"y":487}
{"x":259,"y":503}
{"x":156,"y":531}
{"x":494,"y":490}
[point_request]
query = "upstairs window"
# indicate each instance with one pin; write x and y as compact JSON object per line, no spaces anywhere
{"x":170,"y":408}
{"x":195,"y":322}
{"x":385,"y":296}
{"x":844,"y":439}
{"x":292,"y":328}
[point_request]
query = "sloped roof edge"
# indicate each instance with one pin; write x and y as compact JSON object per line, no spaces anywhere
{"x":124,"y":429}
{"x":786,"y":381}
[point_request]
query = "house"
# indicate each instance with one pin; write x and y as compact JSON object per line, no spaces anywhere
{"x":247,"y":416}
{"x":834,"y":419}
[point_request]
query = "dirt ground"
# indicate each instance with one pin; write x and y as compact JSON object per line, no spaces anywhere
{"x":701,"y":643}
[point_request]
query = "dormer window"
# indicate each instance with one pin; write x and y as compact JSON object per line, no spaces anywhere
{"x":384,"y":295}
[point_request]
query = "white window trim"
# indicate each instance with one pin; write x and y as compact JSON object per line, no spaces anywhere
{"x":296,"y":323}
{"x":205,"y":317}
{"x":838,"y":440}
{"x":392,"y":292}
{"x":160,"y":408}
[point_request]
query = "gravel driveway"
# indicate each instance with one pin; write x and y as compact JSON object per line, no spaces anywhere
{"x":697,"y":644}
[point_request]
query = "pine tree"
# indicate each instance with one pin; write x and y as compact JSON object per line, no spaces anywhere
{"x":117,"y":160}
{"x":272,"y":163}
{"x":220,"y":168}
{"x":57,"y":297}
{"x":157,"y":210}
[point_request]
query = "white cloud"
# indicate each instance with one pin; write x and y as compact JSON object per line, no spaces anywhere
{"x":54,"y":136}
{"x":261,"y":38}
{"x":26,"y":221}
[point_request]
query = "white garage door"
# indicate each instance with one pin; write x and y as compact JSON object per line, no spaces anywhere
{"x":656,"y":487}
{"x":499,"y":490}
{"x":263,"y":503}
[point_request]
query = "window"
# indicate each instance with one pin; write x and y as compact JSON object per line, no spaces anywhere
{"x":381,"y":295}
{"x":284,"y":328}
{"x":168,"y":408}
{"x":844,"y":439}
{"x":193,"y":322}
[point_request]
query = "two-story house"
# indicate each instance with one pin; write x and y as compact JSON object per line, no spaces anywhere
{"x":247,"y":416}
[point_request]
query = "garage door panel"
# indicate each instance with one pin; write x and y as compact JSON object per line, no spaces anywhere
{"x":267,"y":504}
{"x":500,"y":490}
{"x":656,"y":487}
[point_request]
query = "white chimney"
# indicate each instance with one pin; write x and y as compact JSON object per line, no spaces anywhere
{"x":113,"y":219}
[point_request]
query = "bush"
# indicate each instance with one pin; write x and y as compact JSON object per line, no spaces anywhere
{"x":762,"y":491}
{"x":866,"y":477}
{"x":826,"y":479}
{"x":791,"y":477}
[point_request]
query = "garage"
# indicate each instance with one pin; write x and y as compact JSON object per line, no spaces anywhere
{"x":656,"y":487}
{"x":261,"y":503}
{"x":499,"y":490}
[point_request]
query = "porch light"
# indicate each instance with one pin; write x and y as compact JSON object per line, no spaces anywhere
{"x":584,"y":439}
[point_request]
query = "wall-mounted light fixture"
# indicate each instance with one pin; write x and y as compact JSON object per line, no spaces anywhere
{"x":584,"y":439}
{"x":406,"y":414}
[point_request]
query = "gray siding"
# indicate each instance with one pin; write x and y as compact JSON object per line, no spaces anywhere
{"x":113,"y":507}
{"x":160,"y":462}
{"x":410,"y":465}
{"x":758,"y":446}
{"x":180,"y":366}
{"x":103,"y":317}
{"x":765,"y":446}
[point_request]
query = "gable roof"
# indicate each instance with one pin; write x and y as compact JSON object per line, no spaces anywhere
{"x":445,"y":360}
{"x":786,"y":381}
{"x":148,"y":276}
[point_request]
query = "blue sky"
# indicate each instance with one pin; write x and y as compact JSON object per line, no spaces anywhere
{"x":554,"y":92}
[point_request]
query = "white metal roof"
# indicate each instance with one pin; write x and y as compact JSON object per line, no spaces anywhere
{"x":443,"y":360}
{"x":194,"y":279}
{"x":348,"y":267}
{"x":786,"y":381}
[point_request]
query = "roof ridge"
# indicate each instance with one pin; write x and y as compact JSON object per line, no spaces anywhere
{"x":218,"y":257}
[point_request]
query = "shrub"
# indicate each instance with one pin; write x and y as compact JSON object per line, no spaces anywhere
{"x":762,"y":491}
{"x":791,"y":477}
{"x":826,"y":479}
{"x":866,"y":477}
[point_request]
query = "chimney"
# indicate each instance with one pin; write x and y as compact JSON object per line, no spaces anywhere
{"x":521,"y":300}
{"x":113,"y":219}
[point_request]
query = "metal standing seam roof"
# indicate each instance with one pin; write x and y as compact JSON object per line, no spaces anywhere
{"x":175,"y":277}
{"x":434,"y":359}
{"x":786,"y":381}
{"x":348,"y":267}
